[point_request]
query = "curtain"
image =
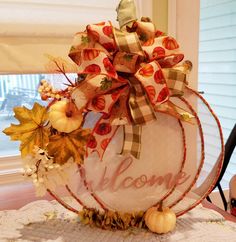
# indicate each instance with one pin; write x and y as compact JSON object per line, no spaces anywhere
{"x":29,"y":29}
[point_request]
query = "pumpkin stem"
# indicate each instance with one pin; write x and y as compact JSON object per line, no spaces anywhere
{"x":160,"y":207}
{"x":69,"y":114}
{"x":70,"y":109}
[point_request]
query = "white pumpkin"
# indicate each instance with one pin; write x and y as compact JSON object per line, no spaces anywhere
{"x":64,"y":116}
{"x":160,"y":220}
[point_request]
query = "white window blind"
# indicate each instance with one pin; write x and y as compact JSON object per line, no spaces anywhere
{"x":217,"y":70}
{"x":32,"y":28}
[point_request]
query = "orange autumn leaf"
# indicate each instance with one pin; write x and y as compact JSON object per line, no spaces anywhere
{"x":63,"y":146}
{"x":31,"y":130}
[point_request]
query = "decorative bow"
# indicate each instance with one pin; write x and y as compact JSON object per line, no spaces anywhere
{"x":129,"y":75}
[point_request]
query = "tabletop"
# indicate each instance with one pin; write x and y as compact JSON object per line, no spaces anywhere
{"x":48,"y":221}
{"x":225,"y":214}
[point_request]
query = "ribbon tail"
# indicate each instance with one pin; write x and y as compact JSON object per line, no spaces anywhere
{"x":132,"y":140}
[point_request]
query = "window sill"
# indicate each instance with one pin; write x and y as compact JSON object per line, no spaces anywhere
{"x":10,"y":170}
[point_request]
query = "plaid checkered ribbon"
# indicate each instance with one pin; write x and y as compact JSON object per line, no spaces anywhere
{"x":128,"y":42}
{"x":141,"y":112}
{"x":176,"y":81}
{"x":140,"y":108}
{"x":132,"y":140}
{"x":139,"y":105}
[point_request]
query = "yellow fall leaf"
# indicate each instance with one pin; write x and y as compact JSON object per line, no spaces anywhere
{"x":63,"y":146}
{"x":30,"y":130}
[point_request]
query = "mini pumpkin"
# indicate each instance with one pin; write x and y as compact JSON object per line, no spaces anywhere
{"x":64,"y":116}
{"x":160,"y":220}
{"x":151,"y":92}
{"x":90,"y":54}
{"x":158,"y":52}
{"x":103,"y":129}
{"x":163,"y":94}
{"x":170,"y":43}
{"x":99,"y":103}
{"x":147,"y":70}
{"x":93,"y":68}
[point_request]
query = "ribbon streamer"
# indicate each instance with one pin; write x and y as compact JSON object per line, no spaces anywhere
{"x":132,"y":140}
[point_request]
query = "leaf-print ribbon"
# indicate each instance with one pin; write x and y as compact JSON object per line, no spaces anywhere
{"x":129,"y":76}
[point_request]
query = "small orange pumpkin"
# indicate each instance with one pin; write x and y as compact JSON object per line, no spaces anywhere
{"x":93,"y":69}
{"x":99,"y":103}
{"x":158,"y":77}
{"x":147,"y":70}
{"x":160,"y":220}
{"x":107,"y":30}
{"x":103,"y":129}
{"x":149,"y":42}
{"x":90,"y":54}
{"x":64,"y":116}
{"x":92,"y":143}
{"x":151,"y":92}
{"x":170,"y":43}
{"x":163,"y":94}
{"x":158,"y":52}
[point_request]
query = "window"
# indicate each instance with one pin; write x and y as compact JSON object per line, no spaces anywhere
{"x":29,"y":30}
{"x":21,"y":90}
{"x":15,"y":90}
{"x":217,"y":75}
{"x":18,"y":90}
{"x":32,"y":28}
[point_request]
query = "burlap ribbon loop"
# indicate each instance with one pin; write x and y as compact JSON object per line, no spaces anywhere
{"x":128,"y":42}
{"x":176,"y":81}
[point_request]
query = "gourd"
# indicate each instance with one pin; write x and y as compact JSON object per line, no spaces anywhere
{"x":64,"y":116}
{"x":160,"y":220}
